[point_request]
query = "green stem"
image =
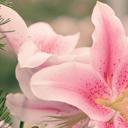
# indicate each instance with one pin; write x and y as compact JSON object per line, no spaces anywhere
{"x":21,"y":124}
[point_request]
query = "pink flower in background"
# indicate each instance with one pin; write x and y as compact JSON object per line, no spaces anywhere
{"x":37,"y":44}
{"x":100,"y":90}
{"x":39,"y":111}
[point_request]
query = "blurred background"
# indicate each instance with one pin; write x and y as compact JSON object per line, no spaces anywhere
{"x":65,"y":16}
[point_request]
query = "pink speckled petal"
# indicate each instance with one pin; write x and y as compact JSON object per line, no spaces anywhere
{"x":81,"y":50}
{"x":110,"y":44}
{"x":41,"y":32}
{"x":30,"y":56}
{"x":111,"y":125}
{"x":64,"y":44}
{"x":119,"y":121}
{"x":120,"y":78}
{"x":17,"y":38}
{"x":76,"y":84}
{"x":48,"y":41}
{"x":36,"y":111}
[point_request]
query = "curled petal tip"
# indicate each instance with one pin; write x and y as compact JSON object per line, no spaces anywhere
{"x":98,"y":2}
{"x":77,"y":35}
{"x":20,"y":68}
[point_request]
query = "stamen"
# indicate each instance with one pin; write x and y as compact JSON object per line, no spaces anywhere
{"x":73,"y":122}
{"x":39,"y":47}
{"x":70,"y":120}
{"x":104,"y":103}
{"x":121,"y":105}
{"x":121,"y":98}
{"x":107,"y":81}
{"x":109,"y":121}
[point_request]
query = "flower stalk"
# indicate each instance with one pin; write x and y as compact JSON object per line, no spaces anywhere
{"x":21,"y":124}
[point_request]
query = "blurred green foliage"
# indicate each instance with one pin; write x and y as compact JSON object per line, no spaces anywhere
{"x":7,"y":74}
{"x":47,"y":10}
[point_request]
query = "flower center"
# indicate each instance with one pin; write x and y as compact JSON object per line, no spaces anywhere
{"x":121,"y":105}
{"x":48,"y":48}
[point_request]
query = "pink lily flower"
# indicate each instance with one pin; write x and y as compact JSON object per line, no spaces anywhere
{"x":37,"y":44}
{"x":100,"y":90}
{"x":25,"y":106}
{"x":40,"y":50}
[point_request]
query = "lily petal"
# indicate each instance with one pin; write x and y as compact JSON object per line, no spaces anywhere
{"x":96,"y":124}
{"x":81,"y":50}
{"x":99,"y":124}
{"x":81,"y":55}
{"x":20,"y":34}
{"x":83,"y":58}
{"x":76,"y":84}
{"x":40,"y":33}
{"x":53,"y":60}
{"x":37,"y":112}
{"x":110,"y":43}
{"x":120,"y":78}
{"x":40,"y":27}
{"x":66,"y":58}
{"x":23,"y":76}
{"x":48,"y":41}
{"x":66,"y":44}
{"x":30,"y":56}
{"x":119,"y":121}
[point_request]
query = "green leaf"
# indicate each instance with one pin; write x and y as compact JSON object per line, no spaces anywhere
{"x":7,"y":3}
{"x":4,"y":113}
{"x":2,"y":45}
{"x":2,"y":22}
